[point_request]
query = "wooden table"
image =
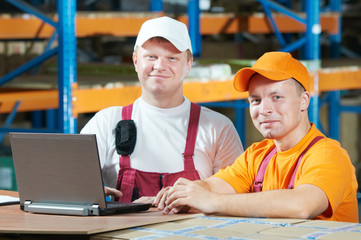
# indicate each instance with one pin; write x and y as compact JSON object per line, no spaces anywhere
{"x":17,"y":224}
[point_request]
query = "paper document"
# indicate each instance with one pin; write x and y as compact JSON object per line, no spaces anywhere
{"x":6,"y":200}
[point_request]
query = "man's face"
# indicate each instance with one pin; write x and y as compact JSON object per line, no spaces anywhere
{"x":276,"y":106}
{"x":161,"y":68}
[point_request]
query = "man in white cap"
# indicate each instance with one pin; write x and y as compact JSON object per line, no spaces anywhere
{"x":148,"y":145}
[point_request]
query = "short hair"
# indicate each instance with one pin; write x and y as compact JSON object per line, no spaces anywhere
{"x":299,"y":88}
{"x":161,"y":39}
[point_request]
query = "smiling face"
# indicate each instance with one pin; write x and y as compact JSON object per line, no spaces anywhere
{"x":278,"y":108}
{"x":161,"y":69}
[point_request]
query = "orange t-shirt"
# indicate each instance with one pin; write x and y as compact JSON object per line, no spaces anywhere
{"x":326,"y":165}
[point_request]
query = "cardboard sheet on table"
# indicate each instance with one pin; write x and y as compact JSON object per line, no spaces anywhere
{"x":291,"y":231}
{"x":325,"y":224}
{"x":342,"y":235}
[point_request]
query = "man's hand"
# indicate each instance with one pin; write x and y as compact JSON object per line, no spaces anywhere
{"x":159,"y":200}
{"x":145,"y":200}
{"x":186,"y":194}
{"x":112,"y":192}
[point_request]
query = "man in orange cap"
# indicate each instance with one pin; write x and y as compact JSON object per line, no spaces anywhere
{"x":295,"y":172}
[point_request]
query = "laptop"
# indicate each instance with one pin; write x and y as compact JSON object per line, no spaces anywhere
{"x":60,"y":174}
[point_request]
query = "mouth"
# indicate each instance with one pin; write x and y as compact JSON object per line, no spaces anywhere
{"x":267,"y":122}
{"x":158,"y":76}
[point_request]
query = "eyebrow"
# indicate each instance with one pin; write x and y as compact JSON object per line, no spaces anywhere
{"x":272,"y":93}
{"x":252,"y":95}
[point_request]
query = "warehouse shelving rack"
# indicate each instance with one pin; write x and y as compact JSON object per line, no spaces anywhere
{"x":65,"y":31}
{"x":70,"y":100}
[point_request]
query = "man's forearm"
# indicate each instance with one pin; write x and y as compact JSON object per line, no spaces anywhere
{"x":216,"y":185}
{"x":288,"y":203}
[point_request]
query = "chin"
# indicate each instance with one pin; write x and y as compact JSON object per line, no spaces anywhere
{"x":268,"y":134}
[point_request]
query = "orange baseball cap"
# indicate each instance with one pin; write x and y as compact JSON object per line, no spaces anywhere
{"x":276,"y":66}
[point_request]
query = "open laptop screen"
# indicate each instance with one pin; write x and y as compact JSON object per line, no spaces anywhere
{"x":57,"y":168}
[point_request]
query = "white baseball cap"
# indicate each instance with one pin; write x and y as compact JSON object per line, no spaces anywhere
{"x":174,"y":31}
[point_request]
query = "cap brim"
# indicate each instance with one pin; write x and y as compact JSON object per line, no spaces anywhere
{"x":181,"y":47}
{"x":242,"y":77}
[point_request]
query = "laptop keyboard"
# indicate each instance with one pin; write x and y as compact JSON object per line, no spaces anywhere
{"x":117,"y":204}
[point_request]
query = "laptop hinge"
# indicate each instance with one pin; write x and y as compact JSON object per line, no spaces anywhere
{"x":58,"y":208}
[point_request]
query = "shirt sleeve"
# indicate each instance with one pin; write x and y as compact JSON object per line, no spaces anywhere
{"x":326,"y":165}
{"x":229,"y":147}
{"x":241,"y":174}
{"x":237,"y":175}
{"x":102,"y":124}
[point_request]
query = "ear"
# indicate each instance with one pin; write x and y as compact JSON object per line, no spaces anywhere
{"x":189,"y":66}
{"x":135,"y":60}
{"x":305,"y":100}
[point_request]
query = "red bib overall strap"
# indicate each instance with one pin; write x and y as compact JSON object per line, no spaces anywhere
{"x":128,"y":176}
{"x":126,"y":115}
{"x":191,"y":137}
{"x":292,"y":181}
{"x":258,"y":183}
{"x":189,"y":171}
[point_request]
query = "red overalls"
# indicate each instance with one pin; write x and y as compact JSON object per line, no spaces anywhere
{"x":134,"y":183}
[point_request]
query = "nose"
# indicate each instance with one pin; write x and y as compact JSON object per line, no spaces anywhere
{"x":266,"y":107}
{"x":159,"y":64}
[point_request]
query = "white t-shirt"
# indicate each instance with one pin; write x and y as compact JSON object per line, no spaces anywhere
{"x":161,"y":138}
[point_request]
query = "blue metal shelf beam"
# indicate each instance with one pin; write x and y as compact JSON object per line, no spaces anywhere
{"x":335,"y":109}
{"x":156,"y":5}
{"x":268,"y":6}
{"x":66,"y":64}
{"x":9,"y":120}
{"x":194,"y":26}
{"x":313,"y":32}
{"x":350,"y":109}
